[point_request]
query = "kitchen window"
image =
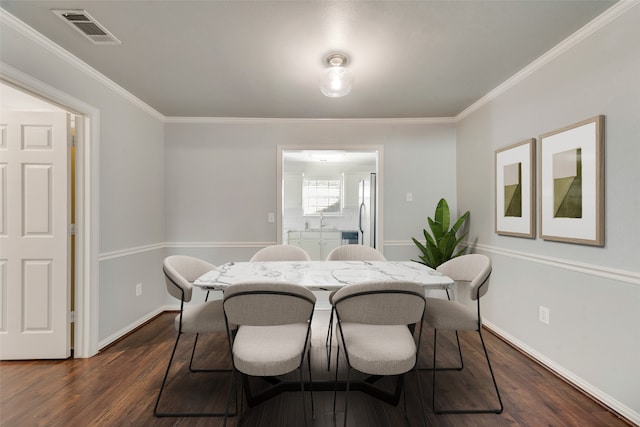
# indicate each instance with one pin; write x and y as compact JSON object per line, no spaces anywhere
{"x":322,"y":196}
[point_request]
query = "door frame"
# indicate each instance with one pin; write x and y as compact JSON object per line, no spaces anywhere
{"x":87,"y":197}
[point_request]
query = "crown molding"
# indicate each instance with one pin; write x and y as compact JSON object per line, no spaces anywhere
{"x":266,"y":120}
{"x":36,"y":37}
{"x":596,"y":24}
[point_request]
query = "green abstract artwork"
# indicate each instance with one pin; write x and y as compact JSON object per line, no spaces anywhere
{"x":567,"y":184}
{"x":513,"y":190}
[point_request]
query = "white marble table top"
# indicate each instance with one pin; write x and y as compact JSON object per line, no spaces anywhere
{"x":322,"y":275}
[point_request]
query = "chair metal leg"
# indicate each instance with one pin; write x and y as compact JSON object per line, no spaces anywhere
{"x":188,"y":414}
{"x":424,"y":412}
{"x":313,"y":413}
{"x":329,"y":339}
{"x":459,"y":353}
{"x":435,"y":368}
{"x":452,"y":368}
{"x":335,"y":384}
{"x":235,"y":391}
{"x":166,"y":374}
{"x":493,"y":377}
{"x":404,"y":399}
{"x":304,"y":405}
{"x":466,"y":411}
{"x":346,"y":395}
{"x":449,"y":368}
{"x":193,"y":352}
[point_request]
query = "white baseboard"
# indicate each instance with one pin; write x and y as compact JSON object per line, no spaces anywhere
{"x":131,"y":327}
{"x":608,"y":401}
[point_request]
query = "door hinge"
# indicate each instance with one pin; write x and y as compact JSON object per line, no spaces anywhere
{"x":73,"y":140}
{"x":72,"y":229}
{"x":72,"y":317}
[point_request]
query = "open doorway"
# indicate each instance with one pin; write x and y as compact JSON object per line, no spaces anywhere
{"x":38,"y":226}
{"x":329,"y":196}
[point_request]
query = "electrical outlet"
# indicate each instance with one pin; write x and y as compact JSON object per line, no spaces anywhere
{"x":139,"y":289}
{"x":409,"y":197}
{"x":271,"y":217}
{"x":543,"y":315}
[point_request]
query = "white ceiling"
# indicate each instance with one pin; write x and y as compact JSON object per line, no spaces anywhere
{"x":262,"y":58}
{"x":331,"y":156}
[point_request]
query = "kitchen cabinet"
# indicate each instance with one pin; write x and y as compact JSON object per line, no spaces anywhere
{"x":330,"y":241}
{"x":293,"y":238}
{"x":351,"y":188}
{"x":317,"y":243}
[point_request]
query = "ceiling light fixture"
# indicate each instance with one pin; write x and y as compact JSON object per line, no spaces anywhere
{"x":336,"y":80}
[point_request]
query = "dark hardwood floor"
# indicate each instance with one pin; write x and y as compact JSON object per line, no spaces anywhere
{"x":118,"y":387}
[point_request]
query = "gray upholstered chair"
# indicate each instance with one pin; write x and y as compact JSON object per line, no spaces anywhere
{"x":273,"y":332}
{"x":355,"y":253}
{"x":347,"y":253}
{"x":180,"y":272}
{"x":375,"y":325}
{"x":442,"y":314}
{"x":281,"y":253}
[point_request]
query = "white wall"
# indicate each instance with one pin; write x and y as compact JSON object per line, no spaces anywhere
{"x":205,"y":189}
{"x":593,"y":293}
{"x":130,"y":173}
{"x":221,"y":179}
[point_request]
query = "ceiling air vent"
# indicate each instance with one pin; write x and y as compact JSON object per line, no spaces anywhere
{"x":87,"y":26}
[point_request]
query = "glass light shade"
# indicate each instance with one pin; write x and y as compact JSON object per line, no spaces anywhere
{"x":336,"y":82}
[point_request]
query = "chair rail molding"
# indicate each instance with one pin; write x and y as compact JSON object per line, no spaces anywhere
{"x":105,"y":256}
{"x":626,"y":276}
{"x":121,"y":253}
{"x":590,"y":269}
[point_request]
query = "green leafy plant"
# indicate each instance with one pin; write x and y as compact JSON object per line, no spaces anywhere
{"x":441,"y":244}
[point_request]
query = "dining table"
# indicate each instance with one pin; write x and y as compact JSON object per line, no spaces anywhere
{"x":324,"y":276}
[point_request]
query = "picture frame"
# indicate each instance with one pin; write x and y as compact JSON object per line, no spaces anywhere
{"x":571,"y":183}
{"x":515,"y":190}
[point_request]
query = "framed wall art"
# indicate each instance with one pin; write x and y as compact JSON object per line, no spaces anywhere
{"x":515,"y":189}
{"x":571,"y":183}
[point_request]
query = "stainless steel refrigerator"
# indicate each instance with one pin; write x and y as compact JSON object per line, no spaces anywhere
{"x":367,"y":214}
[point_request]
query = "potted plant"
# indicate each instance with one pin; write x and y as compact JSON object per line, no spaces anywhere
{"x":440,"y":245}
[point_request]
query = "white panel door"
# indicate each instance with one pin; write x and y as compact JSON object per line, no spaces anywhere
{"x":34,"y":251}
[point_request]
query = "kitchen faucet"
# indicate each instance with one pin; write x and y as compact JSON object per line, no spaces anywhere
{"x":322,"y":221}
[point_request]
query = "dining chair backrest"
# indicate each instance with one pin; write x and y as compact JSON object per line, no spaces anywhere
{"x":281,"y":253}
{"x":355,"y":253}
{"x":381,"y":303}
{"x":472,"y":268}
{"x":180,"y":272}
{"x":268,"y":304}
{"x":273,"y":322}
